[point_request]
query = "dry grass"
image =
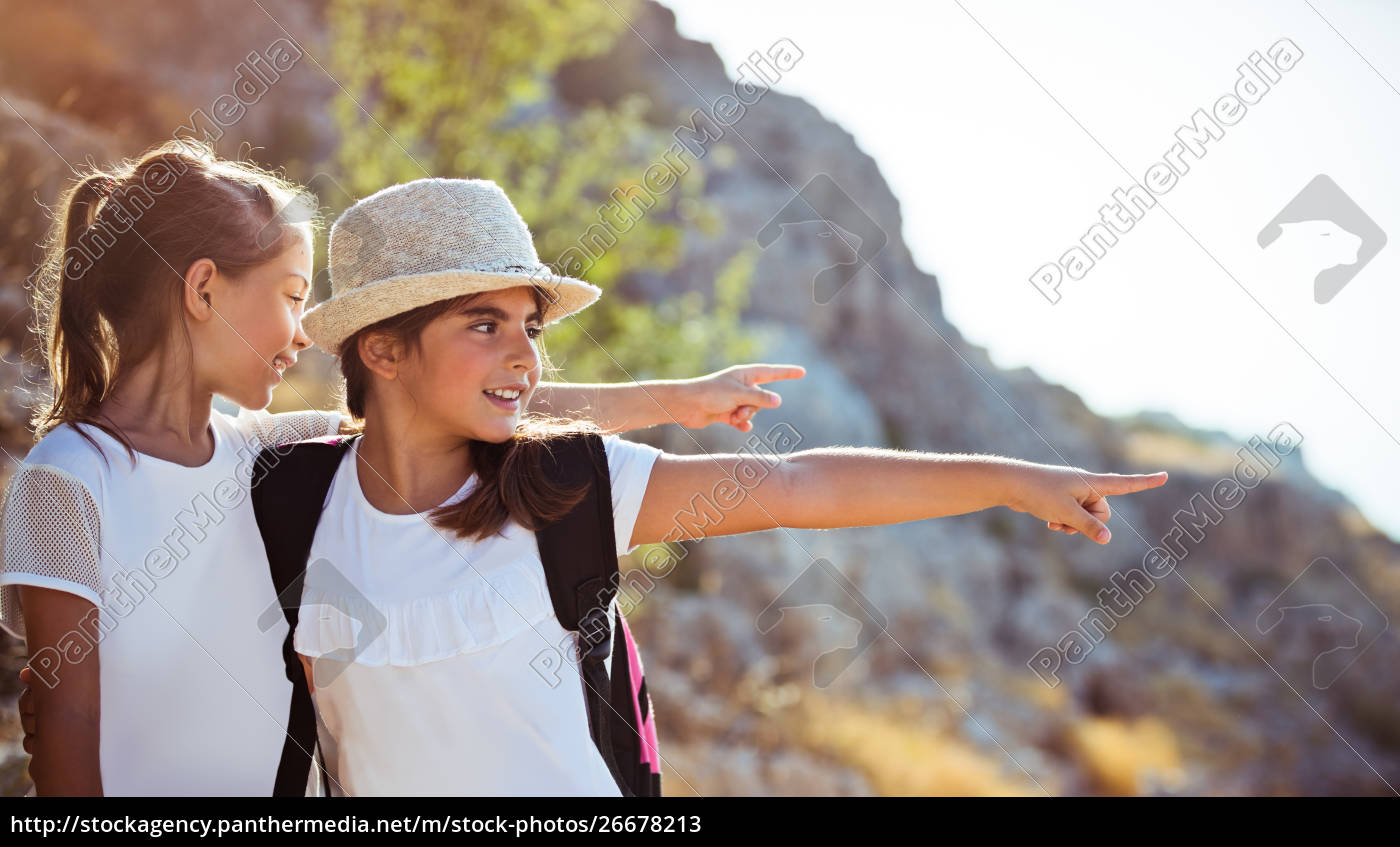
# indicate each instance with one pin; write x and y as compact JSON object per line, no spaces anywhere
{"x":1126,"y":757}
{"x":900,"y":757}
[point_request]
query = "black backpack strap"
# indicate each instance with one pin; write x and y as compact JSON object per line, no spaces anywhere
{"x":289,"y":489}
{"x":579,"y":553}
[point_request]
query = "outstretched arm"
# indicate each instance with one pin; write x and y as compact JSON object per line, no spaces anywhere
{"x":729,"y":396}
{"x":690,"y":497}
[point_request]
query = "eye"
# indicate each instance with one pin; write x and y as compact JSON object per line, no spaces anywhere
{"x":296,"y":299}
{"x":532,"y":331}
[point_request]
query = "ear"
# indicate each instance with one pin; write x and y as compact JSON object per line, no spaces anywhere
{"x":381,"y":353}
{"x":199,"y":282}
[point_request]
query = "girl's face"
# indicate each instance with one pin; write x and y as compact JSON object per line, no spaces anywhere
{"x":462,"y":357}
{"x":257,"y":332}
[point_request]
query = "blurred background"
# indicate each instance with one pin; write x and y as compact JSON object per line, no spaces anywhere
{"x":836,"y":163}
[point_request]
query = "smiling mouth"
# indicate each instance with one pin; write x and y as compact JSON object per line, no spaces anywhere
{"x":507,"y":400}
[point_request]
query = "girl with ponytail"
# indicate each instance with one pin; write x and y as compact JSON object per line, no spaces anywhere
{"x":132,"y":564}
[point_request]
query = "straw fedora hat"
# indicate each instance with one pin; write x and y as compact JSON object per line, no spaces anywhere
{"x":428,"y":240}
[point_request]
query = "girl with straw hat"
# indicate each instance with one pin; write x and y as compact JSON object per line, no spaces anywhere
{"x":438,"y":305}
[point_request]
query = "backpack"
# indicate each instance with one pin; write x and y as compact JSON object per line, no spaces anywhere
{"x":290,"y":485}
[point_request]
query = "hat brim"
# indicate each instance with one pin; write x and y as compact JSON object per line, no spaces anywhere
{"x":336,"y":319}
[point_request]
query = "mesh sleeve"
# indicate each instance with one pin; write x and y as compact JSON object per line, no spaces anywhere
{"x":268,"y":430}
{"x":51,"y":539}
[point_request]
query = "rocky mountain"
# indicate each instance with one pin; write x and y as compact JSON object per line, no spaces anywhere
{"x":969,"y":655}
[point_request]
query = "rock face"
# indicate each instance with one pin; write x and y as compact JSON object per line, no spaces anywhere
{"x":1259,"y":663}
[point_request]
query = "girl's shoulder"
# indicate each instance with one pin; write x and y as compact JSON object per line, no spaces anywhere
{"x":629,"y":467}
{"x":629,"y":461}
{"x":65,"y":452}
{"x":52,"y":519}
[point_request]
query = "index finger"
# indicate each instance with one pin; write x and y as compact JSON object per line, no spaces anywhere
{"x":1113,"y":483}
{"x":755,"y":374}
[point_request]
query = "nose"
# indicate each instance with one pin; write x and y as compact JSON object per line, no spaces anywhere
{"x":524,"y":354}
{"x":301,"y":340}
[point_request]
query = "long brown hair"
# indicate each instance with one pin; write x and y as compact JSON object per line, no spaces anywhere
{"x":511,"y":483}
{"x":108,"y":294}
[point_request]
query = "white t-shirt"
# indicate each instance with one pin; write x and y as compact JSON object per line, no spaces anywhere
{"x":194,"y":691}
{"x":463,"y":684}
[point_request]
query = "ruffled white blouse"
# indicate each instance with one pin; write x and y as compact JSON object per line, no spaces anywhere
{"x":439,"y":665}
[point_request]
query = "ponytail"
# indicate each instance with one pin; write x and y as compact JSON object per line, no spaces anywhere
{"x":77,"y":341}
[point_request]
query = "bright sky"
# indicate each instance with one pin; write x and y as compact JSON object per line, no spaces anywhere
{"x":1188,"y":315}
